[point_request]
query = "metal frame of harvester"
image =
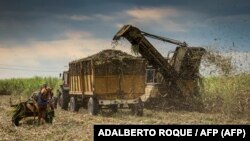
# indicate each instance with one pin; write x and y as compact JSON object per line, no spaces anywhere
{"x":180,"y":73}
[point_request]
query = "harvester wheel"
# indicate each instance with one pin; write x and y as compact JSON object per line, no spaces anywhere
{"x":93,"y":106}
{"x":73,"y":106}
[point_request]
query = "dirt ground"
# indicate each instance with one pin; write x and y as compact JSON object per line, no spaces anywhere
{"x":79,"y":126}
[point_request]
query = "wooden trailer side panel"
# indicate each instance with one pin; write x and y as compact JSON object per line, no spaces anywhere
{"x":133,"y":84}
{"x":108,"y":84}
{"x":87,"y":77}
{"x":130,"y":86}
{"x":116,"y":80}
{"x":81,"y":78}
{"x":88,"y":84}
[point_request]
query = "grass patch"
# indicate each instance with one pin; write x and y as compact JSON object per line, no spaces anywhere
{"x":227,"y":94}
{"x":25,"y":86}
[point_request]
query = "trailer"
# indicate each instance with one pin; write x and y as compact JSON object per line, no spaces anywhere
{"x":109,"y":79}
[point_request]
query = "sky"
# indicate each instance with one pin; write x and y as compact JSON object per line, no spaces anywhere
{"x":40,"y":37}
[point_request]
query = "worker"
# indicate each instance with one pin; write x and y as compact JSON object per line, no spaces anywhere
{"x":44,"y":86}
{"x":38,"y":93}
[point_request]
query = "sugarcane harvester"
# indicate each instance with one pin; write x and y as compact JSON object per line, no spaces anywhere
{"x":180,"y":73}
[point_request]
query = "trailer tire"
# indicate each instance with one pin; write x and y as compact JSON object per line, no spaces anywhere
{"x":73,"y":106}
{"x":93,"y":106}
{"x":137,"y":109}
{"x":114,"y":108}
{"x":85,"y":103}
{"x":63,"y":99}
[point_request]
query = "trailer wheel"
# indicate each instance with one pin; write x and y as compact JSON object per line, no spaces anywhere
{"x":85,"y":103}
{"x":63,"y":100}
{"x":93,"y":106}
{"x":73,"y":106}
{"x":114,"y":108}
{"x":137,"y":109}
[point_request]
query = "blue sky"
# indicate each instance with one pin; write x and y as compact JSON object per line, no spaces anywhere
{"x":46,"y":34}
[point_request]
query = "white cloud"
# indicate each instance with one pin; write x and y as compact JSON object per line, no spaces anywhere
{"x":162,"y":17}
{"x":231,"y":19}
{"x":90,"y":17}
{"x":148,"y":14}
{"x":51,"y":53}
{"x":72,"y":34}
{"x":119,"y":25}
{"x":104,"y":17}
{"x":80,"y":17}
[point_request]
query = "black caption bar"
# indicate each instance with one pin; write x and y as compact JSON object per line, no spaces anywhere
{"x":173,"y":132}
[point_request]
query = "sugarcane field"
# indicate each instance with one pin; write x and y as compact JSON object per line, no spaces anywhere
{"x":94,"y":70}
